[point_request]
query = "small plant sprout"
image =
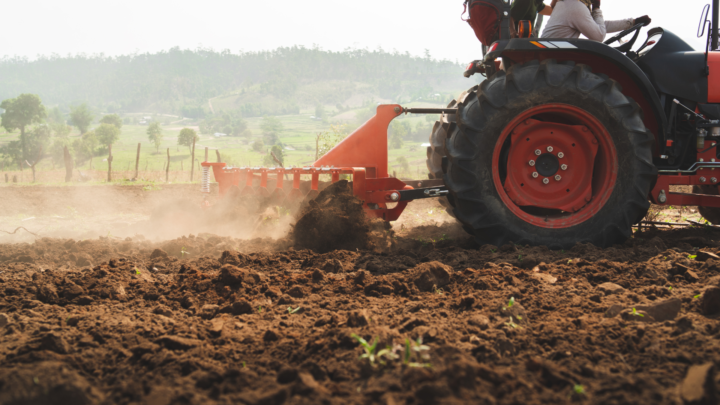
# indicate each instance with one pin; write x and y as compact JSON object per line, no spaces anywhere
{"x":415,"y":353}
{"x":493,"y":250}
{"x":692,"y":257}
{"x":511,"y":323}
{"x":697,"y":296}
{"x":292,"y":311}
{"x":520,"y":257}
{"x":243,"y":364}
{"x":137,"y":271}
{"x":579,"y":389}
{"x":636,"y":313}
{"x":260,"y":309}
{"x":669,"y":288}
{"x":438,"y":291}
{"x":511,"y":302}
{"x":369,"y":349}
{"x":183,"y":252}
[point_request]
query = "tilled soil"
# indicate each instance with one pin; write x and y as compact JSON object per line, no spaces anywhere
{"x":206,"y":319}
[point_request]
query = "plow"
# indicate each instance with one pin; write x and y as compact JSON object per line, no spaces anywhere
{"x":566,"y":141}
{"x":361,"y":157}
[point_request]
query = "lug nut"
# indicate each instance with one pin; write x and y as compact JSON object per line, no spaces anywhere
{"x":713,"y":179}
{"x":546,"y":181}
{"x":538,"y":152}
{"x":394,"y":196}
{"x":563,"y":166}
{"x":535,"y":175}
{"x":561,"y":155}
{"x":550,"y":148}
{"x":557,"y":177}
{"x":531,"y":163}
{"x":702,"y":179}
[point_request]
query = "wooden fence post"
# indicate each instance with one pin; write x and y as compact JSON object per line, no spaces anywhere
{"x":68,"y":164}
{"x":167,"y":169}
{"x":206,"y":153}
{"x":192,"y":161}
{"x":137,"y":162}
{"x":217,"y":152}
{"x":109,"y":163}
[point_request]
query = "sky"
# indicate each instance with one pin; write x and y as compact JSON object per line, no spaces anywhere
{"x":111,"y":27}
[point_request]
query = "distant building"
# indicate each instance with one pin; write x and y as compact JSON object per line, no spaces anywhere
{"x":219,"y":134}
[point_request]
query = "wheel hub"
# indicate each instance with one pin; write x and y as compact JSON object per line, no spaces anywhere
{"x":550,"y":165}
{"x":547,"y":164}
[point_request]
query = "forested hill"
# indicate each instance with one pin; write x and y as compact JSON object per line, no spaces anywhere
{"x":182,"y":81}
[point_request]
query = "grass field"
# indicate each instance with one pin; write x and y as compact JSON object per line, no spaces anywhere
{"x":298,"y":137}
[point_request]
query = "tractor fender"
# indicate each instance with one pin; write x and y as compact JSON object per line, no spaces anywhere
{"x":602,"y":59}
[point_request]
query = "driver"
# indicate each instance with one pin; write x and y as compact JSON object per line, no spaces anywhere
{"x":570,"y":18}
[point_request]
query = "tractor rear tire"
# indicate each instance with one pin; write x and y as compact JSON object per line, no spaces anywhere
{"x":436,"y":150}
{"x":710,"y":214}
{"x":535,"y":97}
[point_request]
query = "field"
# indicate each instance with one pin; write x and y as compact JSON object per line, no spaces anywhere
{"x":298,"y":137}
{"x":101,"y":305}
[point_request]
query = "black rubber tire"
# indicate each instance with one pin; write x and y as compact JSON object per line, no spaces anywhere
{"x":436,"y":150}
{"x":482,"y":117}
{"x":711,"y":214}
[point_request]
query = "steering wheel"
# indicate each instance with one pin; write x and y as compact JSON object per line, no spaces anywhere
{"x":624,"y":48}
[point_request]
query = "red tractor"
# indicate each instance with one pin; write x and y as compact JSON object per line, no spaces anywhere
{"x":569,"y":143}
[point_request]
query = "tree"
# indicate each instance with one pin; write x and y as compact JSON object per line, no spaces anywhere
{"x":269,"y":161}
{"x":113,"y":119}
{"x":20,"y":112}
{"x":107,"y":134}
{"x":37,"y":141}
{"x":154,"y":133}
{"x":187,"y":136}
{"x":81,"y":117}
{"x":85,"y":147}
{"x":258,"y":145}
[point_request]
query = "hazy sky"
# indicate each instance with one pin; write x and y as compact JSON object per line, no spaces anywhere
{"x":43,"y":27}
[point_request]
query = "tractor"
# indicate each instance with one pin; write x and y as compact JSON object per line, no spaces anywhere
{"x":566,"y":141}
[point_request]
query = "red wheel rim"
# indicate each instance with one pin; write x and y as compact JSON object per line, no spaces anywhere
{"x":557,"y":165}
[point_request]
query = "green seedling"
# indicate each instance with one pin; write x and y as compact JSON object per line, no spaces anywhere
{"x":669,"y":288}
{"x":493,"y":250}
{"x":692,"y":257}
{"x":137,"y":271}
{"x":183,"y":252}
{"x":512,"y":324}
{"x":438,"y":291}
{"x":292,"y":311}
{"x":518,"y":317}
{"x":562,"y":251}
{"x":520,"y":257}
{"x":260,"y":310}
{"x":636,"y":313}
{"x":417,"y":351}
{"x":697,"y":296}
{"x":511,"y":302}
{"x":569,"y":261}
{"x":579,"y":389}
{"x":369,"y":349}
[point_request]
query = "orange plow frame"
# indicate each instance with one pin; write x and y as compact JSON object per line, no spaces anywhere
{"x":362,"y":154}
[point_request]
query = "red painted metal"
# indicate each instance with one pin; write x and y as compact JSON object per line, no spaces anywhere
{"x":714,"y":77}
{"x":588,"y":152}
{"x":362,"y":155}
{"x":707,"y":154}
{"x":577,"y":146}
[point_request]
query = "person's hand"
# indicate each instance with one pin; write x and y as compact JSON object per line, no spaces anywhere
{"x":644,"y":20}
{"x":595,"y":4}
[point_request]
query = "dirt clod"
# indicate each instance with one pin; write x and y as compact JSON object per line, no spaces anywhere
{"x":333,"y":220}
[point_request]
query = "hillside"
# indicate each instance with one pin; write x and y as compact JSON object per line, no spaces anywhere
{"x":277,"y":82}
